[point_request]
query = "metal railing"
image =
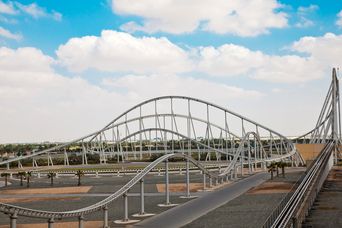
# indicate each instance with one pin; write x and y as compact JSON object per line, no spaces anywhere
{"x":292,"y":209}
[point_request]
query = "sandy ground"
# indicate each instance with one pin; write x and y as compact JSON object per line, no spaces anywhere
{"x":87,"y":224}
{"x":194,"y":187}
{"x":35,"y":199}
{"x":271,"y":187}
{"x":62,"y":190}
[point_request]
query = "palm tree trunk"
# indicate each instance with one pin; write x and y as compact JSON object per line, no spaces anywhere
{"x":21,"y":180}
{"x":79,"y":180}
{"x":283,"y":171}
{"x":271,"y":174}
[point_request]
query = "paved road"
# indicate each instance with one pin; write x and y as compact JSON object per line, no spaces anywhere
{"x":184,"y":214}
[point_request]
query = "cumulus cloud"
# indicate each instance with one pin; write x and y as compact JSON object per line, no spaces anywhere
{"x":138,"y":86}
{"x":36,"y":11}
{"x":304,"y":14}
{"x":39,"y":104}
{"x":7,"y":8}
{"x":242,"y":18}
{"x":9,"y":35}
{"x":339,"y":19}
{"x":120,"y":52}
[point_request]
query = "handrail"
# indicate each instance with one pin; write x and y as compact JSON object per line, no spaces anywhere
{"x":281,"y":216}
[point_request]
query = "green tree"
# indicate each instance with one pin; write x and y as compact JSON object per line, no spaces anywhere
{"x":79,"y":174}
{"x":51,"y":175}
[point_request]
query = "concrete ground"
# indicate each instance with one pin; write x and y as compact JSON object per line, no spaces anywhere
{"x":100,"y":187}
{"x":250,"y":209}
{"x":327,"y":209}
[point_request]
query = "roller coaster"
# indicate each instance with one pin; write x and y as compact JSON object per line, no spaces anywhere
{"x":186,"y":128}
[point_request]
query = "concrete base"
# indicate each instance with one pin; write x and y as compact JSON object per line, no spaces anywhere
{"x":167,"y":205}
{"x":124,"y":222}
{"x":188,"y":197}
{"x":143,"y":215}
{"x":205,"y":190}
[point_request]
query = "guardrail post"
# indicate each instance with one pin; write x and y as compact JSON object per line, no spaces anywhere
{"x":51,"y":221}
{"x":105,"y":217}
{"x":13,"y":220}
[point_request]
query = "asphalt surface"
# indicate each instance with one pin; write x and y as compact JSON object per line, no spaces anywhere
{"x":184,"y":214}
{"x":249,"y":210}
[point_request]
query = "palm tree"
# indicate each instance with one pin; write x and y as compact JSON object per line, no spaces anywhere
{"x":51,"y":175}
{"x":21,"y":175}
{"x":79,"y":174}
{"x":271,"y":169}
{"x":28,"y":176}
{"x":6,"y":177}
{"x":282,"y":165}
{"x":277,"y":168}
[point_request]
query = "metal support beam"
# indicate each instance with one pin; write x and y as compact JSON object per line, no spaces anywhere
{"x":81,"y":221}
{"x":142,"y":203}
{"x":125,"y":202}
{"x":51,"y":221}
{"x":105,"y":217}
{"x":13,"y":220}
{"x":167,"y":190}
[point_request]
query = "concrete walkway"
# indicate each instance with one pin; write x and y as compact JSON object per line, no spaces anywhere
{"x":184,"y":214}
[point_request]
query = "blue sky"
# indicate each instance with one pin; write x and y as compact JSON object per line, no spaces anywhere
{"x":60,"y":57}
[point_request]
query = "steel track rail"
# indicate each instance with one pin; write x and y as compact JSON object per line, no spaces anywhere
{"x":27,"y":212}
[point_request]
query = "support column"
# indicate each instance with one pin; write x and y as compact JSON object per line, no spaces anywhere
{"x":142,"y":203}
{"x":167,"y":190}
{"x":204,"y":181}
{"x":105,"y":217}
{"x":13,"y":220}
{"x":81,"y":221}
{"x":187,"y":179}
{"x":125,"y":200}
{"x":51,"y":221}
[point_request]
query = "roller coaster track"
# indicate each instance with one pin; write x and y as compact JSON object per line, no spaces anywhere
{"x":12,"y":209}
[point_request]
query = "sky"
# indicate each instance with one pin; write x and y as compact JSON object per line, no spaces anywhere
{"x":67,"y":68}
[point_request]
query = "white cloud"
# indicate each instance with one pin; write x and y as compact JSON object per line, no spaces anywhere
{"x":233,"y":60}
{"x":7,"y":8}
{"x":37,"y":104}
{"x":242,"y":18}
{"x":339,"y":19}
{"x":121,"y":52}
{"x":36,"y":11}
{"x":9,"y":35}
{"x":303,"y":14}
{"x":140,"y":87}
{"x":228,"y":60}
